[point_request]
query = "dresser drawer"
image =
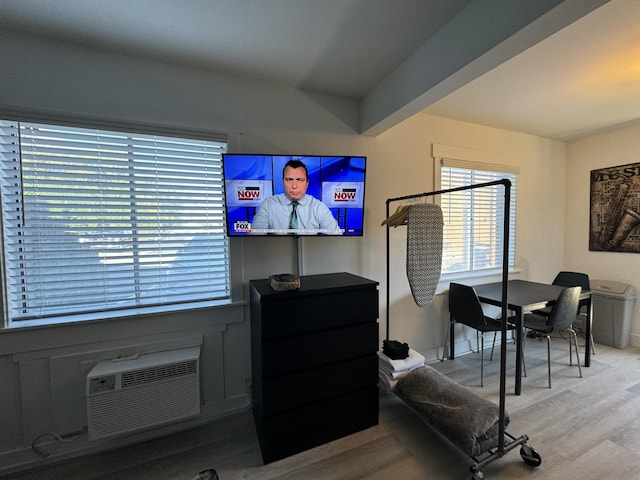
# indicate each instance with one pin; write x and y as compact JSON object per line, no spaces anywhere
{"x":308,"y":314}
{"x":297,"y":430}
{"x":291,"y":354}
{"x":318,"y":384}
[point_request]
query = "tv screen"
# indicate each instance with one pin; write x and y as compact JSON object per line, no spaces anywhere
{"x":262,"y":192}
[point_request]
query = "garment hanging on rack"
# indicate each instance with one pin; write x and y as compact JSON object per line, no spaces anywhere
{"x":398,"y":218}
{"x":424,"y":251}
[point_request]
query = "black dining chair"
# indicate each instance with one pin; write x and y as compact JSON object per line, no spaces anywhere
{"x":465,"y":308}
{"x":561,"y":318}
{"x":573,"y":279}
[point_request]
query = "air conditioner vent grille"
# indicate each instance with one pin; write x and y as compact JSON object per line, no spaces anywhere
{"x":160,"y":372}
{"x":132,"y":410}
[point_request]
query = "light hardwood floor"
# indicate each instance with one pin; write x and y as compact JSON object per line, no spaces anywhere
{"x":585,"y":428}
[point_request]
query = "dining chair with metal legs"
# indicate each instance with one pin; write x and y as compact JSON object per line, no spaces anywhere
{"x":465,"y":308}
{"x":561,"y":318}
{"x":573,"y":279}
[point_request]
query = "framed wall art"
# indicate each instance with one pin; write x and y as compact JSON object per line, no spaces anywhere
{"x":615,"y":209}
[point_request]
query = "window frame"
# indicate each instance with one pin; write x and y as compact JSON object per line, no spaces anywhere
{"x":132,"y":129}
{"x":446,"y":156}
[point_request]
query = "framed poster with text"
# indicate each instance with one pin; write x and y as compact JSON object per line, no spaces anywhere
{"x":615,"y":209}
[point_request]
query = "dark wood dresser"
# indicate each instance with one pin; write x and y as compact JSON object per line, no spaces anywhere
{"x":314,"y":361}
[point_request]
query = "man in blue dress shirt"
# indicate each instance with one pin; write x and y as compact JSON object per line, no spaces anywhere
{"x":294,"y":211}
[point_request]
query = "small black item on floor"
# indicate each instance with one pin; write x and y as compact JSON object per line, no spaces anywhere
{"x":538,"y":335}
{"x":208,"y":474}
{"x":395,"y":350}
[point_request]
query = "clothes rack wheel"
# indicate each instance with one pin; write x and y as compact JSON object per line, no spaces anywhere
{"x":530,"y":456}
{"x":476,"y":474}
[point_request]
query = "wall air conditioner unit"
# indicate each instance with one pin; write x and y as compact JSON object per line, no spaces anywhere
{"x":128,"y":394}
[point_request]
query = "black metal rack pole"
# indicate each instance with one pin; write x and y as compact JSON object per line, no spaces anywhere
{"x":505,"y":277}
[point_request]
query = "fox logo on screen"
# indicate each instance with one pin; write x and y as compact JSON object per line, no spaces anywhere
{"x":248,"y":193}
{"x":242,"y":227}
{"x":345,"y":195}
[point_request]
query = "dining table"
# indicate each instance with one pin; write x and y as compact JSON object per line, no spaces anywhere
{"x":523,"y":297}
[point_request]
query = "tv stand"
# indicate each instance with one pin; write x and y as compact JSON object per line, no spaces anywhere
{"x":314,"y":360}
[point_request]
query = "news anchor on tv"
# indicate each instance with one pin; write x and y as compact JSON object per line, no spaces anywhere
{"x":294,"y":210}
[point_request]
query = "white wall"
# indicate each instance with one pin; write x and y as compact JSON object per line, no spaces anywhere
{"x":618,"y":147}
{"x":409,"y":169}
{"x":42,"y":369}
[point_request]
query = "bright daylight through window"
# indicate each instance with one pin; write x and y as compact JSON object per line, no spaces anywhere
{"x":473,"y":232}
{"x":96,"y":221}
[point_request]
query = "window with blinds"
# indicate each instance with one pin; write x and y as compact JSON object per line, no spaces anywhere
{"x":96,"y":221}
{"x":474,"y":219}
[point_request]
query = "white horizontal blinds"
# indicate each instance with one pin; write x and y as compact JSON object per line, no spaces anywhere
{"x":97,"y":220}
{"x":474,"y":219}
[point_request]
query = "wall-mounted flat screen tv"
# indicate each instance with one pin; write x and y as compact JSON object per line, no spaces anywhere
{"x":262,"y":192}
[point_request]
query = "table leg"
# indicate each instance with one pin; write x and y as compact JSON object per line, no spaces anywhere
{"x":587,"y":334}
{"x":452,"y":350}
{"x":519,"y":321}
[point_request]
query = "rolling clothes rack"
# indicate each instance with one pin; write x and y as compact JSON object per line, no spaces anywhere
{"x":528,"y":454}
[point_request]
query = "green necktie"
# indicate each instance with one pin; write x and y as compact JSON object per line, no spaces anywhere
{"x":293,"y":219}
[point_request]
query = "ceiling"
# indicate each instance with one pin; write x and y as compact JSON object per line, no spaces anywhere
{"x":339,"y":47}
{"x":582,"y":78}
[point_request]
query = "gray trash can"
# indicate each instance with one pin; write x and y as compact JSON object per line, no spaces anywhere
{"x":613,"y":304}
